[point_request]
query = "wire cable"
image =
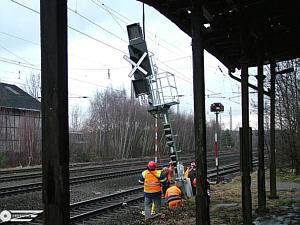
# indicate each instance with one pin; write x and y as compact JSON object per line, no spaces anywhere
{"x":1,"y":46}
{"x":11,"y":35}
{"x":92,"y":22}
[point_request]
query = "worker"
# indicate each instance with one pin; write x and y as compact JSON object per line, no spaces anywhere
{"x":152,"y":180}
{"x":191,"y":173}
{"x":208,"y":185}
{"x":186,"y":173}
{"x":173,"y":195}
{"x":167,"y":172}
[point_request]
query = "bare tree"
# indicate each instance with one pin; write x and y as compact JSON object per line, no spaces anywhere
{"x":33,"y":85}
{"x":118,"y":127}
{"x":76,"y":118}
{"x":288,"y":115}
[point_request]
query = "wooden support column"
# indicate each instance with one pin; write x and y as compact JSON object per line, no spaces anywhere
{"x":202,"y":199}
{"x":273,"y":191}
{"x":246,"y":179}
{"x":55,"y":133}
{"x":261,"y":164}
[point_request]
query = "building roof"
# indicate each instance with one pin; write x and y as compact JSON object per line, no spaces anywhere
{"x":12,"y":96}
{"x":239,"y":31}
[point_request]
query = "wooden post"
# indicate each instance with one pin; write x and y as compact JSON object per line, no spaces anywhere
{"x":241,"y":150}
{"x":202,"y":199}
{"x":250,"y":151}
{"x":273,"y":191}
{"x":55,"y":131}
{"x":261,"y":164}
{"x":246,"y":179}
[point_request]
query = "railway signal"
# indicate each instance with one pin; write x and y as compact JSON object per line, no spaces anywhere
{"x":217,"y":108}
{"x":158,"y":90}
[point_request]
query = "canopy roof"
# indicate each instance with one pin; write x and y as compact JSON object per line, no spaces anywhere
{"x":239,"y":31}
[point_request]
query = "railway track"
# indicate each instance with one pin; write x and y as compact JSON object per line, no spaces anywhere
{"x":37,"y":186}
{"x":104,"y":207}
{"x":33,"y":173}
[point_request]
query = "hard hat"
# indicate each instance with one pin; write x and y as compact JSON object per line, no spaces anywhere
{"x":152,"y":165}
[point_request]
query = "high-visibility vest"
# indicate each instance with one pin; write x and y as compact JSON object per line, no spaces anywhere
{"x":151,"y":183}
{"x":173,"y":195}
{"x":186,"y":174}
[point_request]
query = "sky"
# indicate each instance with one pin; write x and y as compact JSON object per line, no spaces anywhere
{"x":97,"y":42}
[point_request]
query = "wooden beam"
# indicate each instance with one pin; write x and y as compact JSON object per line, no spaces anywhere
{"x":250,"y":85}
{"x":246,"y":179}
{"x":273,"y":188}
{"x":202,"y":199}
{"x":55,"y":133}
{"x":261,"y":163}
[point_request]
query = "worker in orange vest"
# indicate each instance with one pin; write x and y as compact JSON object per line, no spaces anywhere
{"x":186,"y":173}
{"x":152,"y":179}
{"x":173,"y":195}
{"x":191,"y":173}
{"x":167,"y":172}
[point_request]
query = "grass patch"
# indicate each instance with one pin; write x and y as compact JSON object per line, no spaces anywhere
{"x":184,"y":214}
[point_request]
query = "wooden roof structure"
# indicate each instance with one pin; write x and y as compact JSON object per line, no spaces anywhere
{"x":273,"y":26}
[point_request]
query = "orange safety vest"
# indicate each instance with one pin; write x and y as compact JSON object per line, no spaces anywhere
{"x":151,"y":183}
{"x":173,"y":195}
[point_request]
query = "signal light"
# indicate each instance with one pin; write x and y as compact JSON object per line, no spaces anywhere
{"x":137,"y":47}
{"x":216,"y":107}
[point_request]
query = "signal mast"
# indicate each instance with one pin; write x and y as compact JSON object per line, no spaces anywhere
{"x":217,"y":108}
{"x":158,"y":90}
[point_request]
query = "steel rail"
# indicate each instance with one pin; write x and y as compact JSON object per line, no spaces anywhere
{"x":26,"y":188}
{"x":96,"y":207}
{"x":81,"y":170}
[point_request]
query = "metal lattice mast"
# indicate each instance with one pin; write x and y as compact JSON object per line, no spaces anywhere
{"x":157,"y":90}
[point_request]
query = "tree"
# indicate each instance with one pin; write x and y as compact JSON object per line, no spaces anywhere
{"x":288,"y":115}
{"x":118,"y":127}
{"x":33,"y":85}
{"x":75,"y":118}
{"x":227,"y":140}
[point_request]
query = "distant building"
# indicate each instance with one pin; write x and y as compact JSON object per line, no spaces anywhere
{"x":20,"y":123}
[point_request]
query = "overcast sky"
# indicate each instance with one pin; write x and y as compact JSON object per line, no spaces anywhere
{"x":97,"y":42}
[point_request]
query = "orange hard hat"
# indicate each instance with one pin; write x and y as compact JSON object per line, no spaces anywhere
{"x":152,"y":165}
{"x":195,"y":182}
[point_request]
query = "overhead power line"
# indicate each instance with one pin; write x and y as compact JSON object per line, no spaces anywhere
{"x":102,"y":5}
{"x":31,"y":9}
{"x":14,"y":36}
{"x":19,"y":64}
{"x":16,"y":55}
{"x":126,"y":20}
{"x":95,"y":39}
{"x":92,"y":22}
